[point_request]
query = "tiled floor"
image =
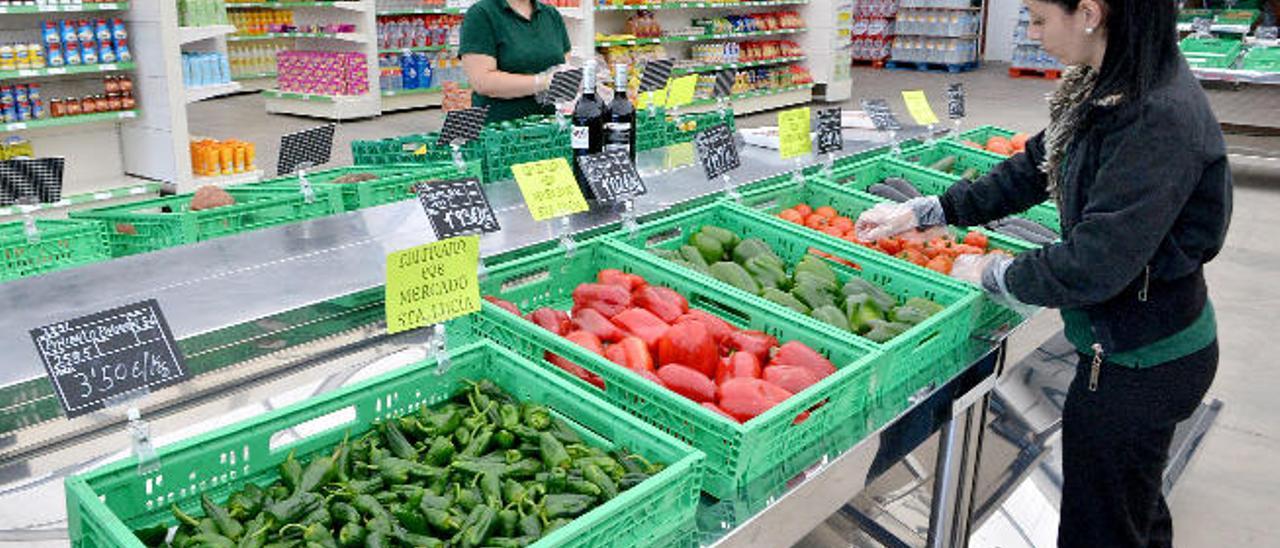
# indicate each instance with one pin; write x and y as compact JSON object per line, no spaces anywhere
{"x":1229,"y":497}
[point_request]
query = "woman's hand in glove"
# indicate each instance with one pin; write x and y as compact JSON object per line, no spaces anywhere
{"x":888,"y":220}
{"x":988,"y":272}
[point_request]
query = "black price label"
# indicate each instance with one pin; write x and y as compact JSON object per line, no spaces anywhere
{"x":955,"y":101}
{"x":457,"y":208}
{"x":611,"y":176}
{"x":305,"y":149}
{"x":881,"y":115}
{"x":724,"y":83}
{"x":95,"y":359}
{"x":564,"y":86}
{"x":717,"y":151}
{"x":656,"y":74}
{"x":33,"y":180}
{"x":830,"y":136}
{"x":462,"y":125}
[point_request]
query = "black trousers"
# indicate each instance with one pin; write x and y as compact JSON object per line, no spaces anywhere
{"x":1115,"y":447}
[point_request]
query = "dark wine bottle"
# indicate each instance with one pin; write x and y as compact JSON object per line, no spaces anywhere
{"x":587,"y":132}
{"x":620,"y":124}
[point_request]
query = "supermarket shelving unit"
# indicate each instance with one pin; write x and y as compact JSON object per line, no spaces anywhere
{"x":829,"y":46}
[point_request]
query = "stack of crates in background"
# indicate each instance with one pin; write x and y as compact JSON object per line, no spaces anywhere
{"x":1030,"y":60}
{"x":936,"y":34}
{"x":873,"y":31}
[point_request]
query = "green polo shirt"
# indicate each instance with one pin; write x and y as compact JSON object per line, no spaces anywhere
{"x":521,"y":46}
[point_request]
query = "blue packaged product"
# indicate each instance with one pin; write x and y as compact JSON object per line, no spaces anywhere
{"x":72,"y":53}
{"x":89,"y":52}
{"x":106,"y":54}
{"x":122,"y":51}
{"x":20,"y":93}
{"x":188,"y":71}
{"x":102,"y":30}
{"x":118,"y":31}
{"x":409,"y":71}
{"x":84,"y":30}
{"x":37,"y":110}
{"x":10,"y":114}
{"x":23,"y":112}
{"x":6,"y":96}
{"x":33,"y":92}
{"x":424,"y":70}
{"x":68,"y":31}
{"x":49,"y":32}
{"x":224,"y":64}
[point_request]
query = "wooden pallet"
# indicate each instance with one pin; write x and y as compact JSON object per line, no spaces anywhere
{"x":876,"y":64}
{"x":1046,"y":74}
{"x":931,"y":67}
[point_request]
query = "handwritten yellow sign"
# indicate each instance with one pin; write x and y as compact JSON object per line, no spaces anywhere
{"x":682,"y":90}
{"x":793,"y":133}
{"x":432,"y":283}
{"x":549,"y":188}
{"x":918,"y":107}
{"x":659,"y":99}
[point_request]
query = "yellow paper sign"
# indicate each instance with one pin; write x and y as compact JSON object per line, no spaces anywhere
{"x":549,"y":188}
{"x":422,"y":151}
{"x":659,"y":99}
{"x":918,"y":107}
{"x":682,"y":90}
{"x":793,"y":133}
{"x":432,"y":283}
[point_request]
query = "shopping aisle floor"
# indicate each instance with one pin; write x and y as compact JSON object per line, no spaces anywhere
{"x":1228,"y":497}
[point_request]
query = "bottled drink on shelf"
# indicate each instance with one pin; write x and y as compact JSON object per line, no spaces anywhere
{"x":587,"y":132}
{"x":620,"y":123}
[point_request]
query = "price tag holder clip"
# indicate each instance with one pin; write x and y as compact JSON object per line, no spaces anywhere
{"x":28,"y":204}
{"x":304,"y":186}
{"x":438,"y":348}
{"x":566,"y":237}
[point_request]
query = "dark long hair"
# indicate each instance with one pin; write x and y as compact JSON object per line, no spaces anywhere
{"x":1142,"y":45}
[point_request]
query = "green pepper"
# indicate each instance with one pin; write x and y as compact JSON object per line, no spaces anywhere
{"x":477,"y":468}
{"x":667,"y":254}
{"x":736,"y":276}
{"x":584,"y":487}
{"x":819,"y":267}
{"x":563,"y":432}
{"x":295,"y":507}
{"x":418,"y":541}
{"x":507,"y":520}
{"x":441,"y":521}
{"x":512,"y":542}
{"x":369,"y":506}
{"x":553,"y":452}
{"x":831,"y":315}
{"x":291,"y":472}
{"x":210,"y":540}
{"x":708,"y":246}
{"x":479,"y":444}
{"x":491,"y":487}
{"x":812,"y":295}
{"x":352,"y":535}
{"x":504,"y":439}
{"x":320,"y":515}
{"x":566,"y":505}
{"x":531,"y":526}
{"x":319,"y":472}
{"x":556,"y":524}
{"x":317,"y":535}
{"x":360,"y":487}
{"x":779,"y":297}
{"x":859,"y":286}
{"x":925,"y":305}
{"x":556,"y":480}
{"x":882,"y":331}
{"x":513,"y":492}
{"x":537,"y":417}
{"x":909,"y":315}
{"x":344,"y":512}
{"x":440,"y":452}
{"x":726,"y":237}
{"x":463,"y":436}
{"x":397,"y":471}
{"x":443,"y":422}
{"x":767,"y":272}
{"x":183,"y":517}
{"x":246,"y":503}
{"x":256,"y":534}
{"x":397,"y":443}
{"x":377,"y":539}
{"x":749,"y":248}
{"x":152,"y":536}
{"x":482,"y":526}
{"x":277,"y":492}
{"x":436,"y":501}
{"x":691,"y":255}
{"x":601,"y":480}
{"x":408,"y":492}
{"x":468,"y":499}
{"x":861,"y":310}
{"x":632,"y":479}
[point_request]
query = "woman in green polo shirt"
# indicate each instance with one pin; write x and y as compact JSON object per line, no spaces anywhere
{"x":510,"y":49}
{"x":1136,"y":163}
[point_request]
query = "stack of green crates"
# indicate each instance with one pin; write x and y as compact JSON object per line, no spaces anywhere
{"x":1217,"y":53}
{"x":1262,"y":59}
{"x":59,"y":244}
{"x":394,"y":182}
{"x":160,"y":223}
{"x":105,"y":505}
{"x":410,"y":149}
{"x":981,"y":135}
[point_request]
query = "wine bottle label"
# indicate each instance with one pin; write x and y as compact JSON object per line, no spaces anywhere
{"x":617,"y":136}
{"x":580,"y":138}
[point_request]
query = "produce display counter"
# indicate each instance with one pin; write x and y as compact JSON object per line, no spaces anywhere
{"x":282,"y":314}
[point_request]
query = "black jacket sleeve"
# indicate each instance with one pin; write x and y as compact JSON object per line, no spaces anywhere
{"x":1012,"y":187}
{"x":1147,"y":170}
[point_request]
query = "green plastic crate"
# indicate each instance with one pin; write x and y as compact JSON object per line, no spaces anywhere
{"x":144,"y":226}
{"x":966,"y":157}
{"x":736,"y":453}
{"x":851,"y":203}
{"x":395,"y":182}
{"x":62,"y":244}
{"x":983,"y":134}
{"x":105,"y":505}
{"x":1262,"y":59}
{"x":1210,"y":52}
{"x":911,"y":358}
{"x":1190,"y":15}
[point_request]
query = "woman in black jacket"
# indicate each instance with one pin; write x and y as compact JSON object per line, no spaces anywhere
{"x":1135,"y":161}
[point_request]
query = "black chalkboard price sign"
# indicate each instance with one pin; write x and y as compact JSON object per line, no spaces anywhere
{"x":955,"y":101}
{"x":94,"y":360}
{"x":881,"y":115}
{"x":830,"y":137}
{"x":457,"y":208}
{"x":716,"y":151}
{"x":611,"y":176}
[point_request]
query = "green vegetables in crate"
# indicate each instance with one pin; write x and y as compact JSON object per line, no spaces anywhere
{"x":810,"y":287}
{"x":480,"y":470}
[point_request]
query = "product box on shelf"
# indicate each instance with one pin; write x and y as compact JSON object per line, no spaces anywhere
{"x":106,"y":505}
{"x":322,"y":72}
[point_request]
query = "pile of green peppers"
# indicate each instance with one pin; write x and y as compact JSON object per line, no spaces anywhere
{"x":482,"y":470}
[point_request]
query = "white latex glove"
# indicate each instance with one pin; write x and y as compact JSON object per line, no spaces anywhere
{"x":888,"y":220}
{"x":988,"y":272}
{"x":970,"y":267}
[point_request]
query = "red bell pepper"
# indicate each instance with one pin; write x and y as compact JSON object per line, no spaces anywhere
{"x":793,"y":378}
{"x":615,"y":354}
{"x":609,"y":300}
{"x":505,"y":305}
{"x":651,"y":376}
{"x":739,"y":365}
{"x":636,"y":353}
{"x":643,"y":324}
{"x":718,"y":328}
{"x":754,"y":342}
{"x":587,"y":341}
{"x":691,"y":345}
{"x":613,"y":276}
{"x":717,"y":410}
{"x":663,"y":302}
{"x":799,"y":354}
{"x":575,"y":370}
{"x":744,"y":399}
{"x":688,"y":382}
{"x":555,"y":321}
{"x":592,"y":321}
